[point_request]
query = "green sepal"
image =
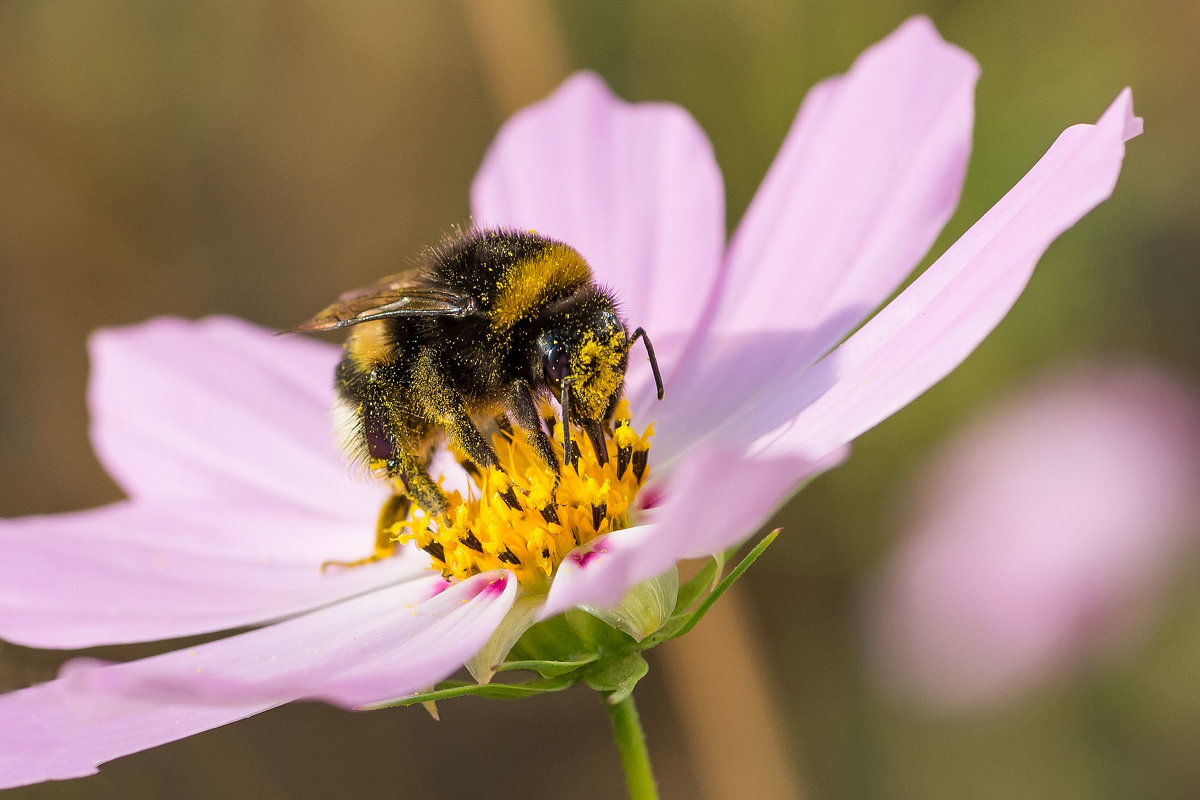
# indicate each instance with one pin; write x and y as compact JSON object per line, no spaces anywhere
{"x":496,"y":691}
{"x":680,"y":624}
{"x":700,"y":583}
{"x":615,"y":679}
{"x":571,"y":636}
{"x":644,"y":608}
{"x":548,"y":669}
{"x":720,"y":559}
{"x":667,"y":632}
{"x":520,"y":618}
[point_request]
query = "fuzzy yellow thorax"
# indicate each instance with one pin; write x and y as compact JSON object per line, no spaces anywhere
{"x":483,"y":532}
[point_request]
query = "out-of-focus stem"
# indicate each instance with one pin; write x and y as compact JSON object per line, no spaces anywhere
{"x":521,"y":44}
{"x":734,"y":737}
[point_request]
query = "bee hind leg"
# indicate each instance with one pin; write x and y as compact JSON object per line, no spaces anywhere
{"x":394,"y":511}
{"x":403,"y":468}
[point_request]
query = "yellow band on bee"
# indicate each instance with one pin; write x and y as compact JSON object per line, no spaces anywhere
{"x":529,"y":284}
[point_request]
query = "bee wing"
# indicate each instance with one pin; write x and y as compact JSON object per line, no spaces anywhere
{"x":394,"y":296}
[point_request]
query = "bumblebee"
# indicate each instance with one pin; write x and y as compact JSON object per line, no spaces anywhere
{"x":491,"y":323}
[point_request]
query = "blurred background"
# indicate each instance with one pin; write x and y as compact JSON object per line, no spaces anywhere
{"x":257,"y":158}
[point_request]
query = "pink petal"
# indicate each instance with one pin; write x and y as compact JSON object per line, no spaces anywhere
{"x":715,"y":499}
{"x":367,"y":649}
{"x":220,"y":409}
{"x":937,"y":321}
{"x":144,"y":571}
{"x":736,"y":387}
{"x":371,"y":648}
{"x":868,"y":175}
{"x":45,"y":737}
{"x":634,"y":188}
{"x":1043,"y":534}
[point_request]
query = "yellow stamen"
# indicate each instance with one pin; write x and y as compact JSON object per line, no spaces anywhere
{"x":482,"y":532}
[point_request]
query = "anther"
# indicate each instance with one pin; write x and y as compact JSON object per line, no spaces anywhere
{"x":639,"y":463}
{"x":596,"y":434}
{"x":510,"y":499}
{"x":570,"y":452}
{"x":624,"y":456}
{"x":598,"y":514}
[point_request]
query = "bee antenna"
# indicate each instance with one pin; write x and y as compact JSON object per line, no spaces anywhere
{"x":640,"y":333}
{"x":568,"y":456}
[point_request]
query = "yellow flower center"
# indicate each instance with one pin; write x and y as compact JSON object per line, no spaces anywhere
{"x":524,"y":518}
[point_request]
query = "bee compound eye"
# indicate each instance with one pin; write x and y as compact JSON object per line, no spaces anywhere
{"x":557,"y":363}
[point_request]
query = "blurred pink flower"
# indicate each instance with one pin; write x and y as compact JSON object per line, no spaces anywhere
{"x":218,"y":432}
{"x":1043,"y":534}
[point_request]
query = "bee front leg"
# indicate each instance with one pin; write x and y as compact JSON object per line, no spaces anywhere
{"x":522,"y":410}
{"x":463,"y":434}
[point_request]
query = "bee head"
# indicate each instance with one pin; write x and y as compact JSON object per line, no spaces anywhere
{"x":581,"y":354}
{"x":582,"y":361}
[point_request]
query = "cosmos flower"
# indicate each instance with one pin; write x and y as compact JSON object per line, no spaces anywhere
{"x":237,"y":495}
{"x":1042,"y":536}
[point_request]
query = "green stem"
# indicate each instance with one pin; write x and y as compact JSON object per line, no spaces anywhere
{"x":631,"y":741}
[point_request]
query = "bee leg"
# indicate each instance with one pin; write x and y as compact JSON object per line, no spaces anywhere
{"x":447,"y":407}
{"x":394,"y":433}
{"x":463,"y":434}
{"x":522,"y":410}
{"x":399,"y":462}
{"x":407,"y":468}
{"x":394,"y":510}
